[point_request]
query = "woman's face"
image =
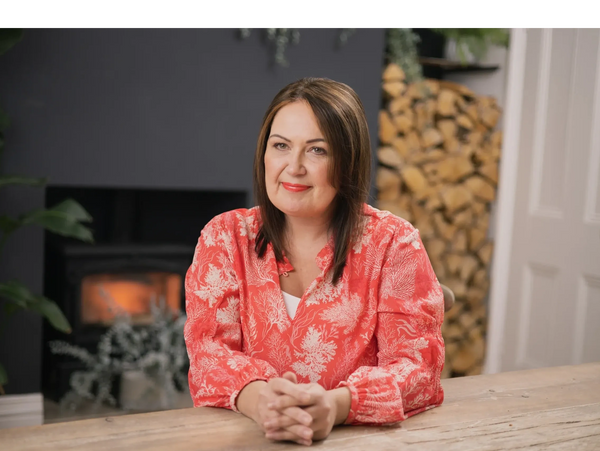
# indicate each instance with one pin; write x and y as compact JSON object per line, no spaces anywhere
{"x":297,"y":162}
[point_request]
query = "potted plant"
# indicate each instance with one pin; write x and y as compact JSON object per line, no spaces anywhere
{"x":67,"y":219}
{"x":150,"y":363}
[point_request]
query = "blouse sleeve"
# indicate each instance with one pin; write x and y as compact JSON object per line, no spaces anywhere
{"x":410,"y":355}
{"x":213,"y":333}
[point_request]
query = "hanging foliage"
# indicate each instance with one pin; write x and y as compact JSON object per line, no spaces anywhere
{"x":474,"y":41}
{"x":402,"y":50}
{"x":281,"y":38}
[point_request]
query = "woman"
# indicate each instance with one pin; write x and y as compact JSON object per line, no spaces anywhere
{"x":313,"y":309}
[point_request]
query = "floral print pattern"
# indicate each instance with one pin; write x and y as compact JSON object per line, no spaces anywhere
{"x":378,"y":331}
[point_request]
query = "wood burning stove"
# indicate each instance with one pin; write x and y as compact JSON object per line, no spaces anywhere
{"x":144,"y":245}
{"x":91,"y":284}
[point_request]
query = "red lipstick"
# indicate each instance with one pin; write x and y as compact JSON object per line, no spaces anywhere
{"x":295,"y":188}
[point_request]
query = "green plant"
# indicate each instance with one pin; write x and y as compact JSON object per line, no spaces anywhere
{"x":475,"y":41}
{"x":282,"y":37}
{"x":402,"y":50}
{"x":158,"y":350}
{"x":66,"y":219}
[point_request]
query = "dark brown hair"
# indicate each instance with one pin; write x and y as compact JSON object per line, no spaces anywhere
{"x":341,"y":118}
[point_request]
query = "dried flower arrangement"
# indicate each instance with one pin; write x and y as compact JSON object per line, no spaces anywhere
{"x":158,"y":350}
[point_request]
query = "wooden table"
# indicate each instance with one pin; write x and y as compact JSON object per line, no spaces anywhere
{"x":544,"y":409}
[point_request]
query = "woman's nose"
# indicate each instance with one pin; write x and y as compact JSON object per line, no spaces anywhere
{"x":296,"y":164}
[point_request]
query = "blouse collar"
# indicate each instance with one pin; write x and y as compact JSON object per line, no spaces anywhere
{"x":324,"y":258}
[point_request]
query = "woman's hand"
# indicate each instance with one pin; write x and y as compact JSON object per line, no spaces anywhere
{"x":293,"y":423}
{"x":327,"y":409}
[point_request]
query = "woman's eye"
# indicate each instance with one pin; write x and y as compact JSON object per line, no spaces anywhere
{"x":319,"y":151}
{"x":280,"y":146}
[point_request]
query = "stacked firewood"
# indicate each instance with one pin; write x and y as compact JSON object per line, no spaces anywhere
{"x":438,"y":168}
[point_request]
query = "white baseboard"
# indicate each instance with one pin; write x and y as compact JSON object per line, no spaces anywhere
{"x":21,"y":410}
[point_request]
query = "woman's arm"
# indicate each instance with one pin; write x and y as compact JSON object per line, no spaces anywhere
{"x":221,"y":375}
{"x":341,"y":398}
{"x":219,"y":369}
{"x":410,"y":345}
{"x":247,"y":400}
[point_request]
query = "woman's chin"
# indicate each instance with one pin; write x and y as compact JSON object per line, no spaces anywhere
{"x":295,"y":212}
{"x":310,"y":214}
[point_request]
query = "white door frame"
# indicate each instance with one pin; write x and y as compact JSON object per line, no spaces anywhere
{"x":506,"y":201}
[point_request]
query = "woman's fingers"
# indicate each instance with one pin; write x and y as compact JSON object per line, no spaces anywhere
{"x":310,"y":396}
{"x":282,"y":402}
{"x":323,"y":415}
{"x":297,"y":433}
{"x":298,"y":415}
{"x":290,"y":377}
{"x":283,"y":386}
{"x":292,"y":422}
{"x":289,"y":417}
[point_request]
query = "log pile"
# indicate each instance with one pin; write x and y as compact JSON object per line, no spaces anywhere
{"x":438,"y":168}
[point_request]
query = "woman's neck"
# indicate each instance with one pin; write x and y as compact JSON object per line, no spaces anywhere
{"x":301,"y":231}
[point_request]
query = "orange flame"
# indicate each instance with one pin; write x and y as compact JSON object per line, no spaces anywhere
{"x":131,"y":292}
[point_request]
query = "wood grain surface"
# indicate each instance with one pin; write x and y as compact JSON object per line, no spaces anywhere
{"x":543,"y":409}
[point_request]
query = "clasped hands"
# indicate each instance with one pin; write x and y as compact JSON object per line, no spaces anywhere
{"x":286,"y":410}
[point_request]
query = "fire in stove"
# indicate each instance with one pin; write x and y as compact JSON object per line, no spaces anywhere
{"x":103,"y":296}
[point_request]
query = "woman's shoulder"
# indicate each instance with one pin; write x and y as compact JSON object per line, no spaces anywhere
{"x":382,"y":221}
{"x":386,"y":230}
{"x":240,"y":222}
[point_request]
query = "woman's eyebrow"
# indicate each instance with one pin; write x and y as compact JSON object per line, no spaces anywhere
{"x":279,"y":136}
{"x":285,"y":139}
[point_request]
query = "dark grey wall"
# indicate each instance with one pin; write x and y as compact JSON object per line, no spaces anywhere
{"x":146,"y":109}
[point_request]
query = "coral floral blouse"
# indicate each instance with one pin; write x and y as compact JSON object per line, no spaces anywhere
{"x":378,"y":331}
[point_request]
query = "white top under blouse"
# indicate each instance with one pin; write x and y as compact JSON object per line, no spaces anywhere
{"x":291,"y":303}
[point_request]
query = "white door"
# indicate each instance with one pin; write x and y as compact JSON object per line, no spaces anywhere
{"x":545,"y":298}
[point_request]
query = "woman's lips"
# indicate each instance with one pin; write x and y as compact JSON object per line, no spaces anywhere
{"x":294,"y":187}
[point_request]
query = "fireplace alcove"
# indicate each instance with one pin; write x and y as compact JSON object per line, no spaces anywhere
{"x":144,"y":244}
